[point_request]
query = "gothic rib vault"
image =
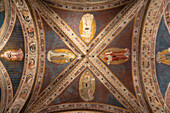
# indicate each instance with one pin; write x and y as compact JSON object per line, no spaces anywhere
{"x":84,"y":56}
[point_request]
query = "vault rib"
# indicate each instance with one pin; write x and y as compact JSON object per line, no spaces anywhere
{"x":58,"y":88}
{"x":18,"y":100}
{"x":86,"y":6}
{"x":6,"y":88}
{"x":8,"y":24}
{"x":103,"y":79}
{"x":42,"y":56}
{"x":115,"y":30}
{"x":109,"y":26}
{"x":84,"y":106}
{"x":114,"y":82}
{"x":147,"y":55}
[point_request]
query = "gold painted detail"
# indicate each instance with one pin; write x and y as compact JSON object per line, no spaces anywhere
{"x":60,"y":56}
{"x":87,"y":86}
{"x":163,"y":57}
{"x":115,"y":56}
{"x":87,"y":27}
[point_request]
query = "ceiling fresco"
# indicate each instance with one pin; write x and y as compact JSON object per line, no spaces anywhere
{"x":84,"y":56}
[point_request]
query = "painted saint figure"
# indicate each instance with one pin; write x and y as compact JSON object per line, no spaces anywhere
{"x":23,"y":94}
{"x":87,"y":27}
{"x":87,"y":86}
{"x":13,"y":55}
{"x":26,"y":15}
{"x":16,"y":108}
{"x":115,"y":55}
{"x":32,"y":46}
{"x":60,"y":56}
{"x":30,"y":31}
{"x":163,"y":57}
{"x":31,"y":64}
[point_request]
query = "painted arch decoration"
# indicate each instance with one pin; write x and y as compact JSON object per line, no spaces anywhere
{"x":90,"y":56}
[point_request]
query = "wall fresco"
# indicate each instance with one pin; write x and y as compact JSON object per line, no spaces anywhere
{"x":85,"y":56}
{"x":64,"y":56}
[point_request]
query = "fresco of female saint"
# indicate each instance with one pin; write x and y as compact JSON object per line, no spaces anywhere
{"x":60,"y":56}
{"x":163,"y":57}
{"x":115,"y":56}
{"x":87,"y":27}
{"x":13,"y":55}
{"x":87,"y":86}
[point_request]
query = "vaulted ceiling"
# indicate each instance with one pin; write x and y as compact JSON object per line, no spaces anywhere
{"x":84,"y":56}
